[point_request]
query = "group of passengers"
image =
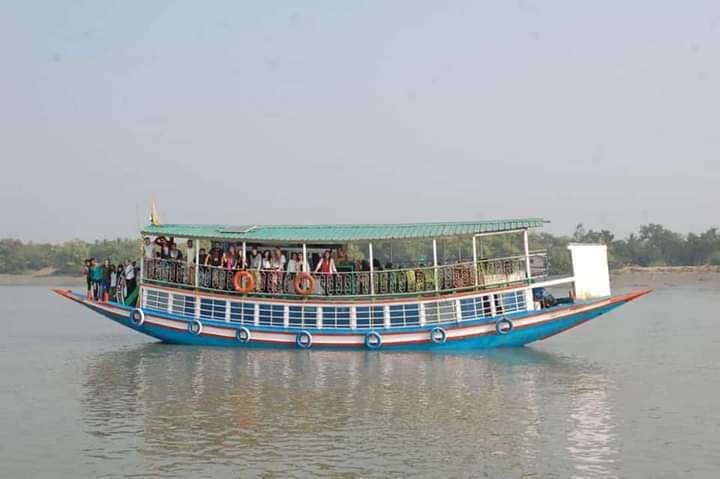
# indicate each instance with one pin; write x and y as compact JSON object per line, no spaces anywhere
{"x":271,"y":267}
{"x":274,"y":272}
{"x":108,"y":281}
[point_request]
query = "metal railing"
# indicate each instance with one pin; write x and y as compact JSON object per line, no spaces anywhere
{"x":418,"y":280}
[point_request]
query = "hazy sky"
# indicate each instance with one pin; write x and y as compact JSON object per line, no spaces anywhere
{"x":603,"y":112}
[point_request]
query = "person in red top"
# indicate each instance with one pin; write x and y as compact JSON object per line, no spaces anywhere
{"x":326,"y":266}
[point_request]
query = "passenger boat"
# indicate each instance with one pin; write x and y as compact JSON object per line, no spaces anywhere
{"x":446,"y":286}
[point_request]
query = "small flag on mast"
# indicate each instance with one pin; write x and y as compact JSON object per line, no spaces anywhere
{"x":154,"y":218}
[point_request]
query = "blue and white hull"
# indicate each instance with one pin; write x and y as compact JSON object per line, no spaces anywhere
{"x":513,"y":329}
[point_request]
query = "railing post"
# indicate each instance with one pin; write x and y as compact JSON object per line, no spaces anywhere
{"x":527,"y":254}
{"x":372,"y":269}
{"x":435,"y":265}
{"x":475,"y":262}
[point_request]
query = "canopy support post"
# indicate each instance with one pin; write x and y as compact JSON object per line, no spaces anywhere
{"x":142,"y":262}
{"x":435,"y":265}
{"x":527,"y":254}
{"x":372,"y":269}
{"x":305,"y":259}
{"x":244,"y":257}
{"x":197,"y":264}
{"x":475,"y":261}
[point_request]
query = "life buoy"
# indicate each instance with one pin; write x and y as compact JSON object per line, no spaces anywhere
{"x":243,"y":335}
{"x":303,"y":340}
{"x":438,"y":335}
{"x":137,"y":317}
{"x":504,"y":326}
{"x":373,"y":340}
{"x":238,"y":281}
{"x":195,"y":327}
{"x":298,"y":283}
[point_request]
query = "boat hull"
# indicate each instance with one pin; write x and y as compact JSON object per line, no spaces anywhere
{"x":480,"y":334}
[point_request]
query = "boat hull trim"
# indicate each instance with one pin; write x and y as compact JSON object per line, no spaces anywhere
{"x":527,"y":327}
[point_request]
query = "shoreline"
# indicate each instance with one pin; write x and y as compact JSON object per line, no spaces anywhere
{"x":631,"y":276}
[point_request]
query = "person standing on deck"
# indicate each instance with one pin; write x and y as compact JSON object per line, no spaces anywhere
{"x":326,"y":266}
{"x":105,"y":285}
{"x":96,"y":278}
{"x":129,"y":277}
{"x":189,"y":262}
{"x":148,"y":249}
{"x":88,"y":280}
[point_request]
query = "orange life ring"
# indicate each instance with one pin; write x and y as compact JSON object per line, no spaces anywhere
{"x":298,"y":283}
{"x":237,"y":282}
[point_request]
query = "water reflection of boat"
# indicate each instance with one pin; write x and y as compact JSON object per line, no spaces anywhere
{"x":488,"y":301}
{"x":346,"y":409}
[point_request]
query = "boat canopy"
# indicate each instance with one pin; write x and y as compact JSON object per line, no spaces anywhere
{"x":340,"y":233}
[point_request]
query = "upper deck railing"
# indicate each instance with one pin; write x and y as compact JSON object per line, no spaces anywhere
{"x":463,"y":276}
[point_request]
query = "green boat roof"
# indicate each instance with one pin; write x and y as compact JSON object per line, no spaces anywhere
{"x":339,"y":233}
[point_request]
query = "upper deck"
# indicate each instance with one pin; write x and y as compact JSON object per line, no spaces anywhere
{"x":427,"y":259}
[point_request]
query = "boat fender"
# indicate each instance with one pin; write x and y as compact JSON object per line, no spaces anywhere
{"x":504,"y":326}
{"x":243,"y":335}
{"x":137,"y":317}
{"x":238,"y":282}
{"x":195,"y":327}
{"x":438,"y":335}
{"x":373,"y":340}
{"x":298,"y":283}
{"x":303,"y":340}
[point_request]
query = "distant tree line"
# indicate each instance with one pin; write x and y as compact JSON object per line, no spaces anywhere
{"x":653,"y":245}
{"x":66,"y":258}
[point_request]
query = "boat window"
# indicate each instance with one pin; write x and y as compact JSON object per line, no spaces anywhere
{"x":242,"y":312}
{"x":440,"y":312}
{"x":277,"y":312}
{"x":309,"y":316}
{"x":213,"y":308}
{"x":513,"y":301}
{"x":295,"y":316}
{"x":264,"y":314}
{"x":183,"y":304}
{"x":362,"y":316}
{"x":404,"y":315}
{"x":157,"y":300}
{"x":336,"y":317}
{"x":475,"y":308}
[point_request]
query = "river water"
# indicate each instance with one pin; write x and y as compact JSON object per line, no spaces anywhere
{"x":633,"y":394}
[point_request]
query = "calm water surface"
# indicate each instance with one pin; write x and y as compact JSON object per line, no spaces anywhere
{"x":634,"y":394}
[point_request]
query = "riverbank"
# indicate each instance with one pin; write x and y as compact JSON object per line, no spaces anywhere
{"x":631,"y":276}
{"x":700,"y":277}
